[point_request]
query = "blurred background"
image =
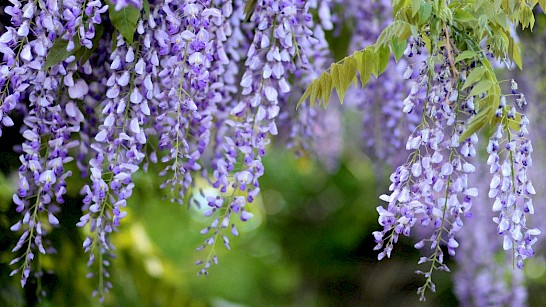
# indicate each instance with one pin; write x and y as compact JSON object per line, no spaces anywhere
{"x":309,"y":243}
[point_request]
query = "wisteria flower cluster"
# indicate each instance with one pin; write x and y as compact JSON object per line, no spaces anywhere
{"x":453,"y":95}
{"x":201,"y":87}
{"x":196,"y":86}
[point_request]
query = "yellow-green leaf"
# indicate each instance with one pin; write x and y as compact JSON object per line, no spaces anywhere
{"x":397,"y":5}
{"x":398,"y":28}
{"x":481,"y":87}
{"x":476,"y":123}
{"x":326,"y":87}
{"x":382,"y":59}
{"x":342,"y":75}
{"x":463,"y":16}
{"x":474,"y":75}
{"x":467,"y":54}
{"x":365,"y":63}
{"x":415,"y":5}
{"x":514,"y":123}
{"x":514,"y":52}
{"x":315,"y":92}
{"x":306,"y":94}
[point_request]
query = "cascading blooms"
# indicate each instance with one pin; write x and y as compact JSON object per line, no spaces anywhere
{"x":196,"y":86}
{"x":200,"y":87}
{"x":456,"y":94}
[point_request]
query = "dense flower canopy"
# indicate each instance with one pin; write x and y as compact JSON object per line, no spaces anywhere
{"x":104,"y":88}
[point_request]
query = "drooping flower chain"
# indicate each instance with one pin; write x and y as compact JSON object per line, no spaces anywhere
{"x":432,"y":187}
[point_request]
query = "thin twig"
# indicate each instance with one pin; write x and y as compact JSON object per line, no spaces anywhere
{"x":450,"y":54}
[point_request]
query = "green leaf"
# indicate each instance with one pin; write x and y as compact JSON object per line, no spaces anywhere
{"x":58,"y":53}
{"x":397,"y":5}
{"x":249,"y":8}
{"x":146,"y":7}
{"x":124,"y":20}
{"x":83,"y":54}
{"x":514,"y":123}
{"x":424,"y":12}
{"x":474,"y":76}
{"x":514,"y":52}
{"x":481,"y":87}
{"x":467,"y":54}
{"x":365,"y":63}
{"x":463,"y":16}
{"x":306,"y":94}
{"x":383,"y":56}
{"x":326,"y":87}
{"x":315,"y":93}
{"x":398,"y":47}
{"x":476,"y":123}
{"x":398,"y":28}
{"x":415,"y":6}
{"x":342,"y":75}
{"x":526,"y":17}
{"x":478,"y":5}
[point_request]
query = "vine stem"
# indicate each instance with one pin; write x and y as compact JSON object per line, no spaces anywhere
{"x":450,"y":54}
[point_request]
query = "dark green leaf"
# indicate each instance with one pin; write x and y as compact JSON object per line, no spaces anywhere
{"x":249,"y":8}
{"x":83,"y":54}
{"x":146,"y":7}
{"x":58,"y":53}
{"x":124,"y":20}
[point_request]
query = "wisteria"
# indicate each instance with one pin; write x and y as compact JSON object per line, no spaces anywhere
{"x":201,"y":88}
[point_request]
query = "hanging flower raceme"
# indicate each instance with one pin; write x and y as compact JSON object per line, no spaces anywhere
{"x":274,"y":53}
{"x":509,"y":159}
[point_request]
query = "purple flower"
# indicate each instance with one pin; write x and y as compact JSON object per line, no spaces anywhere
{"x":120,"y":4}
